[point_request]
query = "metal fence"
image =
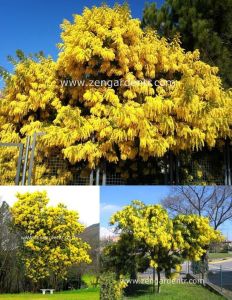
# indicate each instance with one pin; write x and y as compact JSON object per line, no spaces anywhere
{"x":221,"y":277}
{"x":28,"y":163}
{"x":206,"y":167}
{"x":217,"y":276}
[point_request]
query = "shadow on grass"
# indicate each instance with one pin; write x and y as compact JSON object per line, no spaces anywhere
{"x":174,"y":292}
{"x":138,"y":290}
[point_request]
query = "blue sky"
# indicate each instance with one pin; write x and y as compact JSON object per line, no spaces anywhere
{"x":35,"y":25}
{"x":113,"y":198}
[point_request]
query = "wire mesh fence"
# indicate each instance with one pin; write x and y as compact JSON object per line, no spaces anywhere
{"x":10,"y":163}
{"x":56,"y":170}
{"x":115,"y":179}
{"x":33,"y":163}
{"x":220,"y":276}
{"x":216,"y":276}
{"x":138,"y":172}
{"x":206,"y":167}
{"x":209,"y":173}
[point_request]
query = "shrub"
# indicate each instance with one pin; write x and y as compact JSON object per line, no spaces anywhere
{"x":111,"y":288}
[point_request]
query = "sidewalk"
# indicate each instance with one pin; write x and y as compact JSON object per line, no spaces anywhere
{"x":220,"y":260}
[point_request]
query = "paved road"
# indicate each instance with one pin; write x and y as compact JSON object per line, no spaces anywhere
{"x":223,"y":263}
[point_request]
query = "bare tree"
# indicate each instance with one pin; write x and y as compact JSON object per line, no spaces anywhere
{"x":214,"y":202}
{"x":11,"y":274}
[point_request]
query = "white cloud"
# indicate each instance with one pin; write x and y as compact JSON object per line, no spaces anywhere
{"x":109,"y":207}
{"x":84,"y":199}
{"x":106,"y":233}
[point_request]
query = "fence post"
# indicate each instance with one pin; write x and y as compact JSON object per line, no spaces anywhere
{"x":104,"y":173}
{"x":32,"y":156}
{"x":227,"y":162}
{"x":177,"y":165}
{"x":97,"y":176}
{"x":25,"y":160}
{"x":165,"y":169}
{"x":171,"y":167}
{"x":104,"y":177}
{"x":19,"y":164}
{"x":91,"y":178}
{"x":31,"y":162}
{"x":221,"y":276}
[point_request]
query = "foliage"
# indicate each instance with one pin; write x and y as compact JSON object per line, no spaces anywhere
{"x":199,"y":267}
{"x":124,"y":257}
{"x":90,"y":280}
{"x":140,"y":119}
{"x":8,"y":163}
{"x":197,"y":22}
{"x":167,"y":99}
{"x":167,"y":242}
{"x":111,"y":289}
{"x":50,"y":242}
{"x":29,"y":104}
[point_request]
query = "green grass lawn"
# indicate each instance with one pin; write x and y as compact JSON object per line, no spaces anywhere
{"x":83,"y":294}
{"x":219,"y":255}
{"x":89,"y":280}
{"x":178,"y":292}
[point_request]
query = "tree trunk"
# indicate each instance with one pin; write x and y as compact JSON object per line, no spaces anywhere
{"x":133,"y":276}
{"x":153,"y":280}
{"x":205,"y":263}
{"x":35,"y":287}
{"x":158,"y":273}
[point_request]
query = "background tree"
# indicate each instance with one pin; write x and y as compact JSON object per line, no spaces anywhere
{"x":197,"y":22}
{"x":11,"y":270}
{"x":49,"y":234}
{"x":124,"y":257}
{"x":214,"y":202}
{"x":166,"y":242}
{"x":91,"y":236}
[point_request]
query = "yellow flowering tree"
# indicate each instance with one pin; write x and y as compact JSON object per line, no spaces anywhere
{"x":50,"y":237}
{"x":166,"y":99}
{"x":116,"y":94}
{"x":164,"y":241}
